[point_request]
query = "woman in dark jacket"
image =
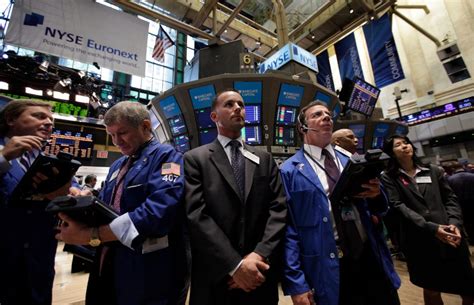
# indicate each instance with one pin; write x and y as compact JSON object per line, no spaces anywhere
{"x":430,"y":224}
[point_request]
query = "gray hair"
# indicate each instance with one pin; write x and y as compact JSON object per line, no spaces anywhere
{"x":132,"y":113}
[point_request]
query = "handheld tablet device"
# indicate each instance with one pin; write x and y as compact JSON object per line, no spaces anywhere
{"x":359,"y":170}
{"x":59,"y":169}
{"x":88,"y":210}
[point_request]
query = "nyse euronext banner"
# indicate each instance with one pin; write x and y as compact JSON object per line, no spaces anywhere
{"x":82,"y":31}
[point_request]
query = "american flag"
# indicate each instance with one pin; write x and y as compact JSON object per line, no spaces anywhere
{"x":171,"y":168}
{"x":162,"y":42}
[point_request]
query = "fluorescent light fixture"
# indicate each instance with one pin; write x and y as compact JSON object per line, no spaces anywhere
{"x":4,"y":86}
{"x":82,"y":99}
{"x":49,"y":92}
{"x":61,"y":96}
{"x":33,"y":91}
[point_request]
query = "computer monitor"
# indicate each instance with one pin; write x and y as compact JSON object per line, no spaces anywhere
{"x":203,"y":118}
{"x":177,"y":125}
{"x":181,"y":143}
{"x":286,"y":115}
{"x":290,"y":95}
{"x":323,"y":97}
{"x":359,"y":96}
{"x":170,"y":107}
{"x":202,"y":96}
{"x":252,"y":135}
{"x":251,"y":92}
{"x":401,"y":130}
{"x":252,"y":114}
{"x":207,"y":135}
{"x":80,"y":145}
{"x":285,"y":136}
{"x":336,"y":112}
{"x":380,"y":133}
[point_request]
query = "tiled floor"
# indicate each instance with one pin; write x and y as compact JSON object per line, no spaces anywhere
{"x":69,"y":289}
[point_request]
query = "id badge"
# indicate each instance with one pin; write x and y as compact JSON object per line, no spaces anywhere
{"x":423,"y":179}
{"x":347,"y":213}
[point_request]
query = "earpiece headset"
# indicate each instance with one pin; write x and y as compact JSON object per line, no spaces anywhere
{"x":303,"y":127}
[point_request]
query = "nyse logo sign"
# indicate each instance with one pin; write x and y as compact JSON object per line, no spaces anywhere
{"x":286,"y":54}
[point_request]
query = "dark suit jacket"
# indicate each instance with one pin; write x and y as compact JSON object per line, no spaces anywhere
{"x":224,"y":227}
{"x":462,"y":184}
{"x":421,"y":210}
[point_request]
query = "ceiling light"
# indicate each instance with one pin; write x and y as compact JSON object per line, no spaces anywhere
{"x":44,"y":66}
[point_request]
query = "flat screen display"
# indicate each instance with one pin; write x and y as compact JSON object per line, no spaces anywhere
{"x":252,"y":114}
{"x":251,"y":92}
{"x":76,"y":143}
{"x":380,"y":133}
{"x":285,"y":136}
{"x":154,"y":120}
{"x":201,"y":97}
{"x":170,"y":107}
{"x":181,"y":143}
{"x":323,"y":97}
{"x":203,"y":118}
{"x":401,"y":130}
{"x":359,"y":96}
{"x":290,"y":95}
{"x":251,"y":135}
{"x":465,"y":104}
{"x":207,"y":135}
{"x":286,"y":115}
{"x":177,"y":125}
{"x":336,"y":111}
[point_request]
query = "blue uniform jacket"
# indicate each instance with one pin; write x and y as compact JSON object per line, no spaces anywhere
{"x":311,"y":260}
{"x":153,"y":200}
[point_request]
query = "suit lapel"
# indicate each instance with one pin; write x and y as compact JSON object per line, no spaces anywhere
{"x":220,"y":160}
{"x":305,"y":169}
{"x":408,"y":184}
{"x":249,"y":171}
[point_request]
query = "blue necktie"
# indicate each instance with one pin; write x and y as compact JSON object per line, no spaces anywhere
{"x":238,"y":165}
{"x":25,"y":161}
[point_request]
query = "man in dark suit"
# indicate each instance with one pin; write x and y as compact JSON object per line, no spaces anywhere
{"x":461,"y":181}
{"x":236,"y":211}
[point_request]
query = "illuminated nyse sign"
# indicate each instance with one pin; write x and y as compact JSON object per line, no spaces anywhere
{"x":286,"y":54}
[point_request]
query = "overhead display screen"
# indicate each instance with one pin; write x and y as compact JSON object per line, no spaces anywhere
{"x":359,"y":96}
{"x":336,"y":111}
{"x":252,"y":114}
{"x":201,"y":97}
{"x":251,"y":92}
{"x":286,"y":115}
{"x":290,"y":95}
{"x":251,"y":135}
{"x":76,"y":143}
{"x":401,"y":130}
{"x":177,"y":125}
{"x":207,"y":135}
{"x":285,"y":136}
{"x":181,"y":143}
{"x":203,"y":118}
{"x":170,"y":107}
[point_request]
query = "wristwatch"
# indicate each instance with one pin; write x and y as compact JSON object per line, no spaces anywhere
{"x":95,"y":240}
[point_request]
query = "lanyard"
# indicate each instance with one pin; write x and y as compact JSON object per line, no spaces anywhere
{"x":322,"y":167}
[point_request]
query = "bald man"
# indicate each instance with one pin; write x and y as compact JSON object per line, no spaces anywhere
{"x":345,"y":139}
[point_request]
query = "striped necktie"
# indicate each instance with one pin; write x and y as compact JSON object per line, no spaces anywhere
{"x":25,"y":160}
{"x":119,"y":185}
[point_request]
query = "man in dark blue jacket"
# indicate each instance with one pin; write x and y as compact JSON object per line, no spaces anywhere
{"x":143,"y":260}
{"x":333,"y":254}
{"x":27,"y":243}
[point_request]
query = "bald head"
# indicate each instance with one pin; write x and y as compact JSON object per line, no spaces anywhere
{"x":346,"y":139}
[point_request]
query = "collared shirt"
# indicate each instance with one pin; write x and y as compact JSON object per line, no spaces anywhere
{"x":317,"y":153}
{"x":418,"y":170}
{"x":227,"y":148}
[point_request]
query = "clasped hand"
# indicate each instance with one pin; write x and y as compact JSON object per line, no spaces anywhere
{"x":249,"y":275}
{"x":449,"y":234}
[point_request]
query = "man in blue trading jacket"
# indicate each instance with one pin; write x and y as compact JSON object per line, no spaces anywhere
{"x":333,"y":254}
{"x":27,"y":243}
{"x":143,"y":259}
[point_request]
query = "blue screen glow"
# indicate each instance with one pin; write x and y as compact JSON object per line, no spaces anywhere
{"x":170,"y":107}
{"x":207,"y":136}
{"x":177,"y":125}
{"x":286,"y":115}
{"x":290,"y":95}
{"x":251,"y":92}
{"x":251,"y":135}
{"x":202,"y":96}
{"x":252,"y":114}
{"x":203,"y":118}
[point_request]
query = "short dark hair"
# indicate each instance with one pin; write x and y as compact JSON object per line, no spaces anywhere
{"x":14,"y":109}
{"x":90,"y":178}
{"x":214,"y":100}
{"x":393,"y":165}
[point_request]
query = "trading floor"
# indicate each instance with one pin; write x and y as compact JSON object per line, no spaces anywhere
{"x":69,"y":289}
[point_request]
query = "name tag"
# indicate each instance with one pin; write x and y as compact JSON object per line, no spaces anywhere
{"x":347,"y":213}
{"x":114,"y":175}
{"x":255,"y":159}
{"x":426,"y":179}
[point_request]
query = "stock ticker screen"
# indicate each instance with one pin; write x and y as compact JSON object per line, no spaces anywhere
{"x":363,"y":97}
{"x":252,"y":114}
{"x":285,"y":136}
{"x":286,"y":115}
{"x":78,"y":144}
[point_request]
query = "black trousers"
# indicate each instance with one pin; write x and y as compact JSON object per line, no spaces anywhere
{"x":364,"y":282}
